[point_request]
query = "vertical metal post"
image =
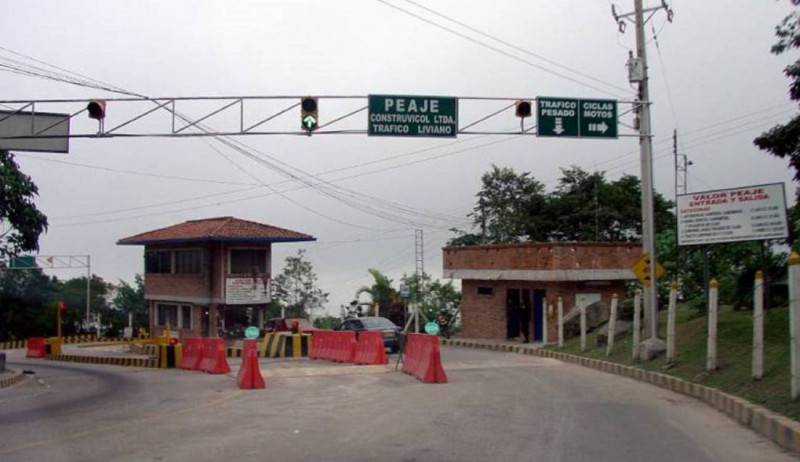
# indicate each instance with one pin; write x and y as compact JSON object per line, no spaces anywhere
{"x":612,"y":324}
{"x":560,"y":322}
{"x":544,"y":321}
{"x":89,"y":290}
{"x":583,"y":323}
{"x":646,"y":158}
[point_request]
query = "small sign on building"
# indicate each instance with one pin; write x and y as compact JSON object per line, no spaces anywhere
{"x":246,"y":291}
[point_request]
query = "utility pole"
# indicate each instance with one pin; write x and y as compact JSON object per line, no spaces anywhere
{"x":419,"y":263}
{"x":638,"y":73}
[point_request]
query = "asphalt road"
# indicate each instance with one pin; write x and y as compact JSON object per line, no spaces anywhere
{"x":497,"y":406}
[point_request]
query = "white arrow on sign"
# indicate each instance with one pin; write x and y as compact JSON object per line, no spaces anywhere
{"x":601,"y":127}
{"x":559,"y":128}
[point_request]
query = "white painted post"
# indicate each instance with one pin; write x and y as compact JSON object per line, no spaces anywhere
{"x":758,"y":326}
{"x":673,"y":301}
{"x":612,"y":324}
{"x":637,"y":322}
{"x":544,"y":322}
{"x":582,"y":306}
{"x":560,"y":322}
{"x":713,"y":300}
{"x":794,"y":319}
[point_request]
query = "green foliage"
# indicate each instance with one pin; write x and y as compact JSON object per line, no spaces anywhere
{"x":28,"y":307}
{"x":27,"y":223}
{"x":783,"y":140}
{"x":73,"y":293}
{"x":585,"y":206}
{"x":381,"y":293}
{"x":128,"y":299}
{"x":296,"y":287}
{"x":433,"y":296}
{"x":327,"y":322}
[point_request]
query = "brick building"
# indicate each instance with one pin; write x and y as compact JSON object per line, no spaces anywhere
{"x":209,"y":277}
{"x":498,"y":281}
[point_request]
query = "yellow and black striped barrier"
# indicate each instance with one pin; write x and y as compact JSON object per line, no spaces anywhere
{"x":169,"y":356}
{"x":106,"y":360}
{"x":13,"y":344}
{"x":285,"y":345}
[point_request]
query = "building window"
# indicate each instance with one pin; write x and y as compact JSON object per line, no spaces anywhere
{"x":158,"y":262}
{"x":167,"y":314}
{"x":485,"y":291}
{"x":188,"y":261}
{"x":244,"y":260}
{"x":186,"y":317}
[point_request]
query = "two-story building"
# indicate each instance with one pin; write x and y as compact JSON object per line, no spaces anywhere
{"x":209,"y":277}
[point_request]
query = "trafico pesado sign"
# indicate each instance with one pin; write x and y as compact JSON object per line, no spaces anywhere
{"x":749,"y":213}
{"x":244,"y":291}
{"x":415,"y":116}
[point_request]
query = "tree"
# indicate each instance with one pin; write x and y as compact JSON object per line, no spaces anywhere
{"x":510,"y":208}
{"x":382,"y":294}
{"x":432,"y":296}
{"x":585,"y":206}
{"x":129,"y":299}
{"x":27,"y":305}
{"x":296,"y":287}
{"x":783,"y":141}
{"x":27,"y":223}
{"x":73,"y":293}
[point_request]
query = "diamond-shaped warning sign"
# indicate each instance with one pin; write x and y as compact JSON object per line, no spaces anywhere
{"x":642,"y":269}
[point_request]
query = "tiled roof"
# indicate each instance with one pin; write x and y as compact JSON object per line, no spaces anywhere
{"x":217,"y":230}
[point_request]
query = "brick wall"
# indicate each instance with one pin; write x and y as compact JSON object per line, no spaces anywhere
{"x":484,"y":316}
{"x":543,"y":256}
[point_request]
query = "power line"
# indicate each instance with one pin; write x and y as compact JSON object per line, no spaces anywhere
{"x":515,"y":47}
{"x":498,"y":50}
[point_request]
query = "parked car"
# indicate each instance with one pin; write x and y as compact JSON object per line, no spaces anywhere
{"x":391,"y":333}
{"x":285,"y":325}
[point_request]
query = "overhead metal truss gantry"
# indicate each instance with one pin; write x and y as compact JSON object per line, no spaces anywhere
{"x":134,"y":117}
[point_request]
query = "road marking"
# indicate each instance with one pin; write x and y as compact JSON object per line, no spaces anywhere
{"x":108,"y":428}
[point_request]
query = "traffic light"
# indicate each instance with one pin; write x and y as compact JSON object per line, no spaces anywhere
{"x":309,"y":114}
{"x":523,"y":108}
{"x":61,"y":306}
{"x":97,"y":109}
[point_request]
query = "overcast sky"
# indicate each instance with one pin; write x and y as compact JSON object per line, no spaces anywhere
{"x":712,"y":78}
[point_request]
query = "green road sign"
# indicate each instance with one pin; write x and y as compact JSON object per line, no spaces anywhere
{"x":251,"y":332}
{"x":25,"y":262}
{"x":557,"y":117}
{"x":432,"y":328}
{"x":309,"y":122}
{"x":598,"y":118}
{"x":576,"y":118}
{"x":416,"y":116}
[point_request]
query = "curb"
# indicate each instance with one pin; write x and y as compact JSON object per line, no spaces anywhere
{"x":106,"y":360}
{"x":781,"y":430}
{"x":13,"y":380}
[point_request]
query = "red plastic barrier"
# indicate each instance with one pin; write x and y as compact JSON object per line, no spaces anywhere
{"x":370,"y":349}
{"x":249,"y":376}
{"x":215,"y":360}
{"x":319,"y":343}
{"x":192,"y":354}
{"x":423,"y":358}
{"x":36,"y":348}
{"x":344,"y":347}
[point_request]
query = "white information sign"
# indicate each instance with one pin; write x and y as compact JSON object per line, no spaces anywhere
{"x":48,"y":132}
{"x":246,"y":291}
{"x":731,"y":215}
{"x":127,"y":332}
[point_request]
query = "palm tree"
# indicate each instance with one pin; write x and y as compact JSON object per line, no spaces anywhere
{"x":381,"y":293}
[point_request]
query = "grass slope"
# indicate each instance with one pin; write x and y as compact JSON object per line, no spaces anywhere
{"x":734,"y":355}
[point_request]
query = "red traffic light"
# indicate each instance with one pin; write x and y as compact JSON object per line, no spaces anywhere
{"x":61,"y":306}
{"x":523,"y":108}
{"x":97,"y":109}
{"x":173,"y":341}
